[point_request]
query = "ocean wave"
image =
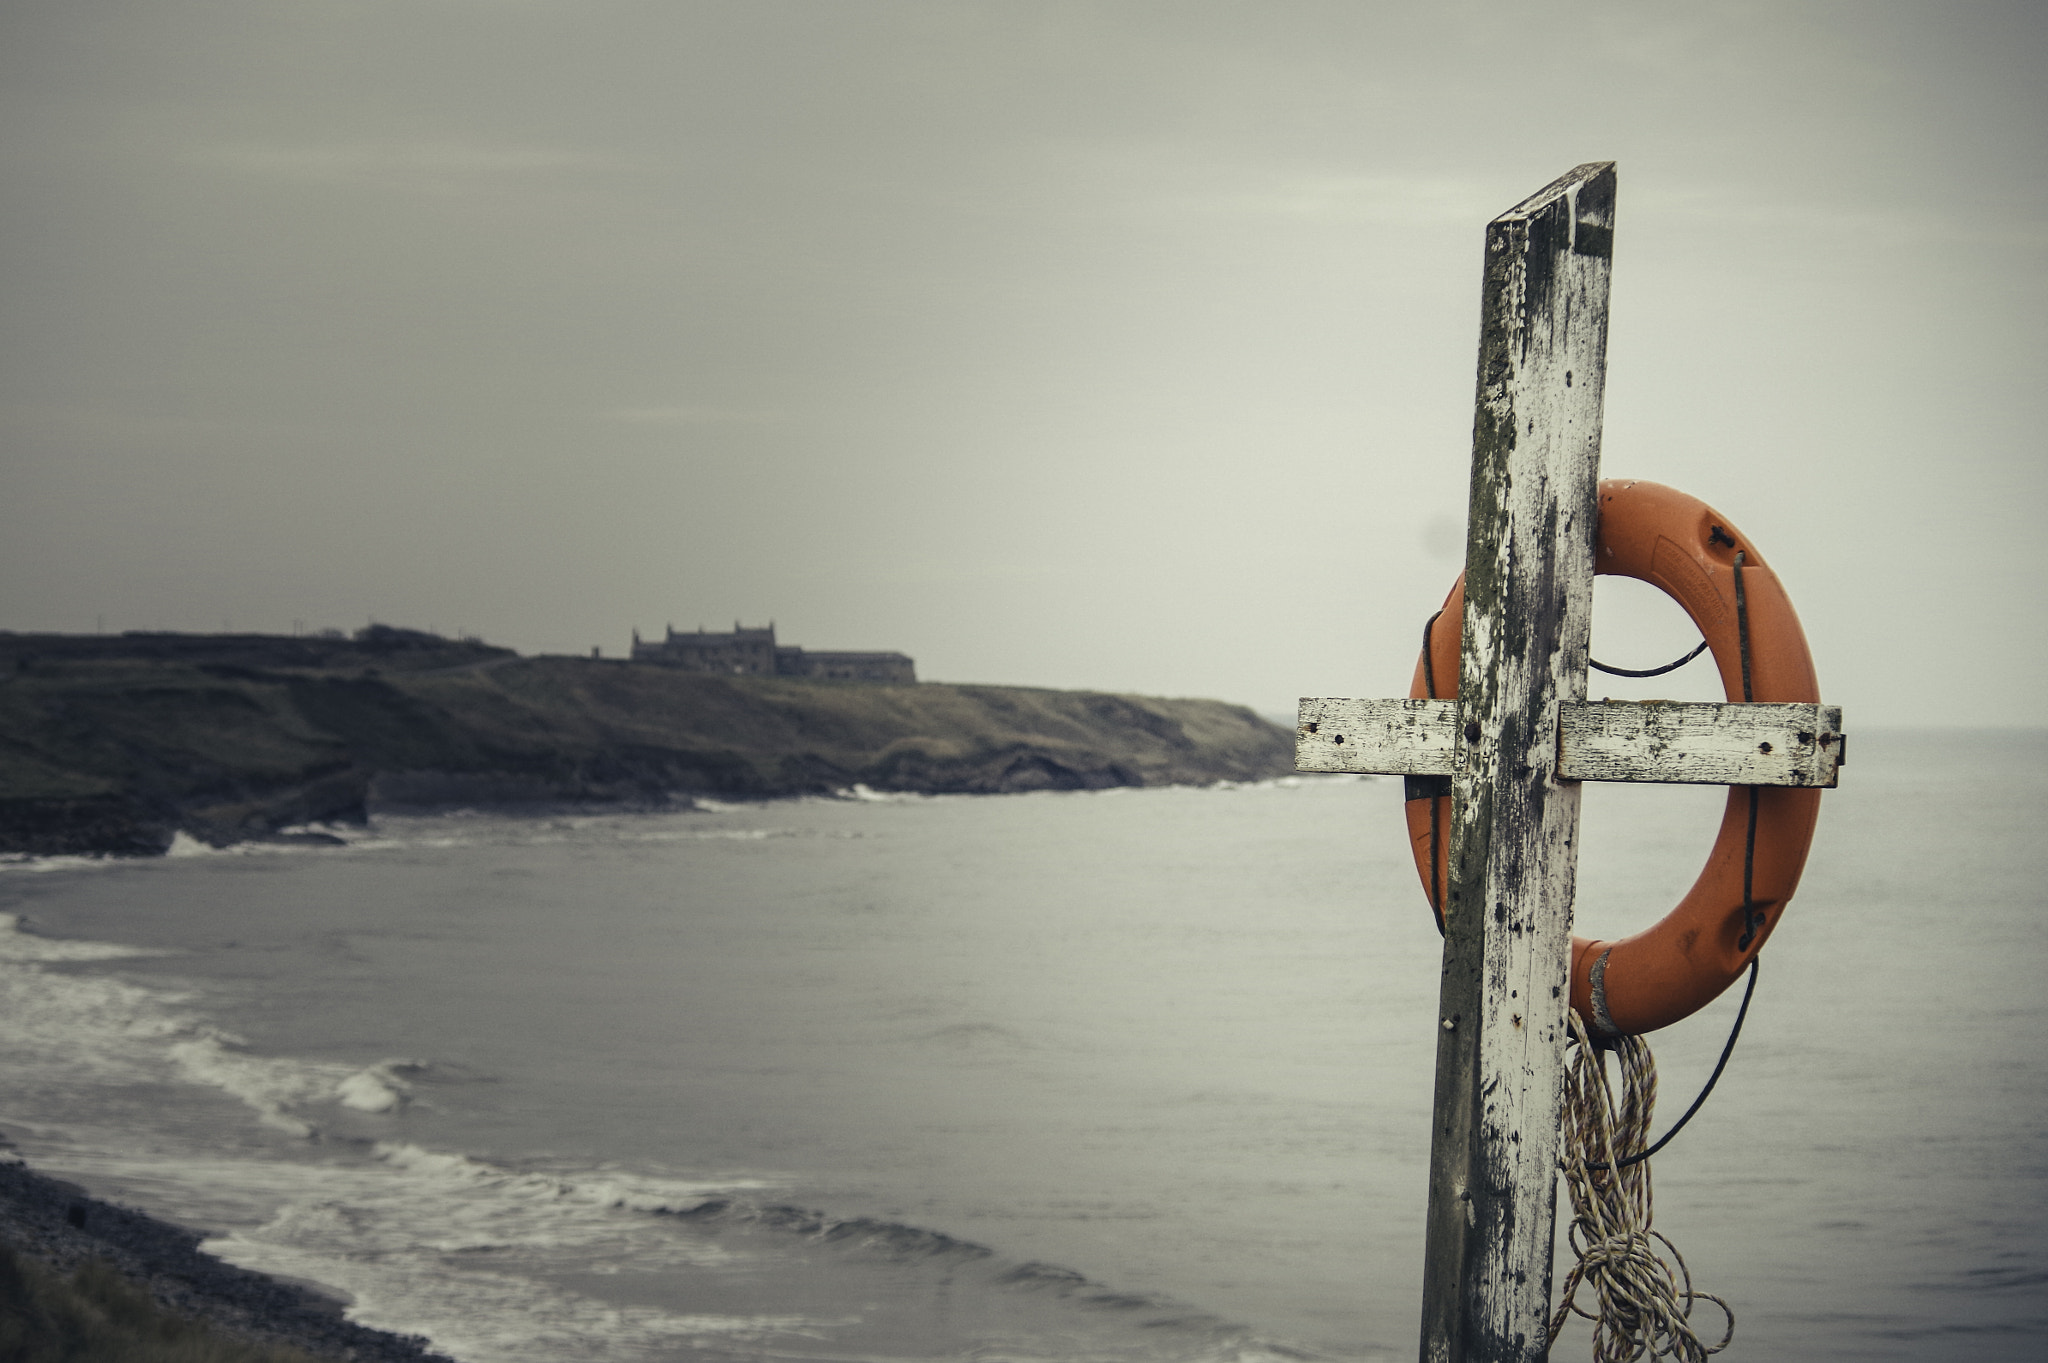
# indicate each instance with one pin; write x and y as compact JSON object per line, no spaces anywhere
{"x":497,"y":1263}
{"x":297,"y":840}
{"x":478,"y":1297}
{"x":472,"y":1253}
{"x":382,"y":1087}
{"x":20,"y":942}
{"x":465,"y":1250}
{"x":600,"y":1188}
{"x":480,"y":829}
{"x":976,"y":1036}
{"x":890,"y":1239}
{"x":862,"y":792}
{"x":66,"y":1027}
{"x":1326,"y":778}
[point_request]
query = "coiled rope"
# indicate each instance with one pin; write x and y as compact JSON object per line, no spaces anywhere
{"x":1644,"y":1306}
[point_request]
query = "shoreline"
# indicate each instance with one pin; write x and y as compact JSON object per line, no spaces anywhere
{"x":342,"y":834}
{"x":62,"y":1227}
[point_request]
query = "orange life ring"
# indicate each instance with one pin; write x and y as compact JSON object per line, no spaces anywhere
{"x":1679,"y":965}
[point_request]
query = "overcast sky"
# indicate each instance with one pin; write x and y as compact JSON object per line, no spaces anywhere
{"x":1122,"y":345}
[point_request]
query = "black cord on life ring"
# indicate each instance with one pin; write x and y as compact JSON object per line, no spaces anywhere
{"x":1436,"y":871}
{"x":1751,"y":919}
{"x":1712,"y":1079}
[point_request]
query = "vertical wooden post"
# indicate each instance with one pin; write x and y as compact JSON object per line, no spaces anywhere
{"x":1513,"y":854}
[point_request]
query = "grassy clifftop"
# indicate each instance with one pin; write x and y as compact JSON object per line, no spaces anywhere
{"x":114,"y":745}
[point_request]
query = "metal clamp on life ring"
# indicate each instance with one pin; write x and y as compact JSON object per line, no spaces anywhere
{"x":1680,"y":964}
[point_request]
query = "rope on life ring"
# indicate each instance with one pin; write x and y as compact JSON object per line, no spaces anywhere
{"x":1644,"y":1301}
{"x":1684,"y":961}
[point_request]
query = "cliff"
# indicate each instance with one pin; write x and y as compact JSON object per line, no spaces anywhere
{"x":115,"y":744}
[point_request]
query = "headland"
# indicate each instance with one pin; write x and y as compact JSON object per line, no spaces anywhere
{"x":117,"y":743}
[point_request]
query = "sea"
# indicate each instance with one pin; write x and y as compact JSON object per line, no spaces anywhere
{"x":1127,"y":1076}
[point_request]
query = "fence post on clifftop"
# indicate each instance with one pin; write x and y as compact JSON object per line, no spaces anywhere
{"x":1514,"y":832}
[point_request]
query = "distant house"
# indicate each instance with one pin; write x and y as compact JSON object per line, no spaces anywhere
{"x":754,"y":653}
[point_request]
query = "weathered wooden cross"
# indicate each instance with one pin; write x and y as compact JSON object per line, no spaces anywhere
{"x":1516,"y":743}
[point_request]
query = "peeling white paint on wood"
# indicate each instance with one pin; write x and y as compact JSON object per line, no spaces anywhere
{"x":1701,"y":743}
{"x":1675,"y":742}
{"x":1385,"y":737}
{"x":1513,"y":862}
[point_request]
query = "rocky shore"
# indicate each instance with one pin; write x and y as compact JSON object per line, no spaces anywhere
{"x":55,"y":1224}
{"x":115,"y":744}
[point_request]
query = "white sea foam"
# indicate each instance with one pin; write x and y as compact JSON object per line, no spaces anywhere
{"x":269,"y":1087}
{"x":1326,"y":778}
{"x":64,"y":1026}
{"x":470,"y":1253}
{"x":340,"y":832}
{"x":32,"y":864}
{"x":393,"y":1230}
{"x":482,"y":1315}
{"x":460,"y":1249}
{"x":377,"y":1088}
{"x":185,"y":847}
{"x":474,"y":1255}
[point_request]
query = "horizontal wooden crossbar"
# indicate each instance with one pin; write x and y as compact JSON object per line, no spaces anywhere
{"x":1682,"y":742}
